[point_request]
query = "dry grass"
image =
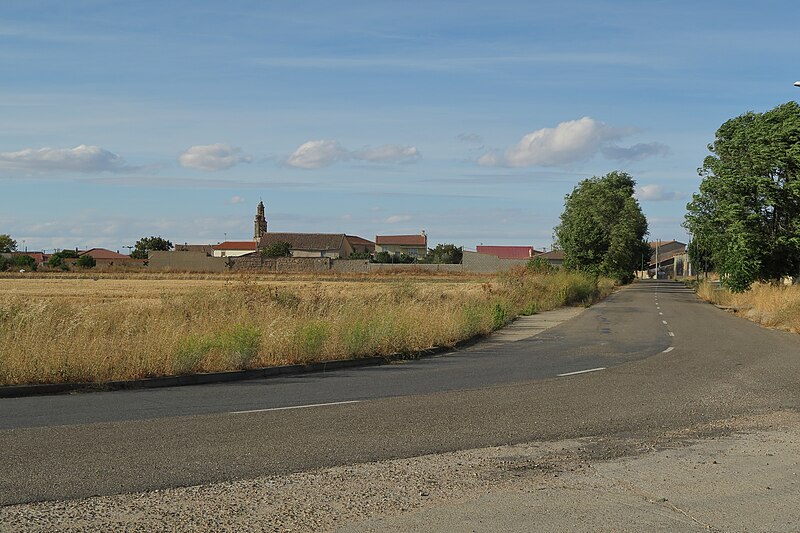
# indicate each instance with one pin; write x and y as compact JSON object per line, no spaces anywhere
{"x":775,"y":306}
{"x":72,"y":328}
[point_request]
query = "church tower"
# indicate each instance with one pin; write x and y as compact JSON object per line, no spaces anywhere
{"x":260,"y":223}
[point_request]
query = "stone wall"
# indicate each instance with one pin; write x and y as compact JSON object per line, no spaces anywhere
{"x":485,"y":263}
{"x":350,"y":265}
{"x":255,"y":261}
{"x":186,"y":262}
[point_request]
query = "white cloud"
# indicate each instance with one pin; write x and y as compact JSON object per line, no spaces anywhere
{"x":317,"y":154}
{"x":212,"y":157}
{"x":82,"y":158}
{"x":325,"y":152}
{"x":236,"y":200}
{"x":637,"y":152}
{"x":569,"y":142}
{"x":394,"y":219}
{"x":657,"y":193}
{"x":388,"y":153}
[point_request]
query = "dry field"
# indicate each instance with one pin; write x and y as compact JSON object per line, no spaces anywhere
{"x":61,"y":328}
{"x":774,"y":306}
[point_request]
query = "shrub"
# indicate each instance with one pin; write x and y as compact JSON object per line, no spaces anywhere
{"x":190,"y":354}
{"x":3,"y":263}
{"x":277,"y":249}
{"x":239,"y":345}
{"x":86,"y":261}
{"x":23,"y":262}
{"x":539,"y":265}
{"x":310,"y":338}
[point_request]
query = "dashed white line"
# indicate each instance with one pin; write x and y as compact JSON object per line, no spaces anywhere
{"x":664,"y":322}
{"x":581,"y":371}
{"x":668,"y":349}
{"x":292,"y":407}
{"x":661,"y":314}
{"x":671,"y":334}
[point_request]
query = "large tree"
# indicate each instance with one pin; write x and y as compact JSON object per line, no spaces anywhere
{"x":602,"y":227}
{"x":444,"y":254}
{"x":145,"y":245}
{"x":746,"y":217}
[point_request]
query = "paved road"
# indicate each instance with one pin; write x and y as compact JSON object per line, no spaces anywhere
{"x":671,"y":361}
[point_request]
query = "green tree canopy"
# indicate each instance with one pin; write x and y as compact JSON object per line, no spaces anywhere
{"x":602,"y":227}
{"x":746,"y":218}
{"x":7,"y":244}
{"x":57,"y":260}
{"x":145,"y":245}
{"x":277,"y":249}
{"x":444,"y":254}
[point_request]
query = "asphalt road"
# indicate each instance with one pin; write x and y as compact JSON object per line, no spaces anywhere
{"x":671,"y":361}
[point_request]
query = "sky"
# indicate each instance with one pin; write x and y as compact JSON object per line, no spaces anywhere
{"x":470,"y":120}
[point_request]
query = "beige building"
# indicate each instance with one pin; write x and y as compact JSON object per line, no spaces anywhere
{"x":333,"y":245}
{"x":234,"y":248}
{"x":412,"y":245}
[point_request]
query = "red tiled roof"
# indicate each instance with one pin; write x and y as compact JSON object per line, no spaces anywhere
{"x":39,"y":257}
{"x":102,"y":253}
{"x":236,"y":245}
{"x":508,"y":252}
{"x":403,"y":240}
{"x":355,"y":239}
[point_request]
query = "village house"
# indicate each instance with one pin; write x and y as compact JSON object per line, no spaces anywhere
{"x":415,"y":246}
{"x":508,"y":252}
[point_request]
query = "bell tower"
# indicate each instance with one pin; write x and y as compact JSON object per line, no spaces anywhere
{"x":260,"y":222}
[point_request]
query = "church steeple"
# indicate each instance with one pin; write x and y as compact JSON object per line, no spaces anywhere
{"x":260,"y":223}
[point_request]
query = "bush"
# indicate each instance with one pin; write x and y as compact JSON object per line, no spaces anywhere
{"x":3,"y":263}
{"x":23,"y":262}
{"x":539,"y":265}
{"x":277,"y":249}
{"x":86,"y":261}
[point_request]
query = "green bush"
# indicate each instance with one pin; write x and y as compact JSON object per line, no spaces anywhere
{"x":190,"y":354}
{"x":3,"y":263}
{"x":86,"y":261}
{"x":310,"y":338}
{"x":23,"y":262}
{"x":239,"y":345}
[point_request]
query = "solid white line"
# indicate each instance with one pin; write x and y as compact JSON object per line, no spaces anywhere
{"x":671,"y":334}
{"x":582,"y":371}
{"x":292,"y":407}
{"x":668,"y":349}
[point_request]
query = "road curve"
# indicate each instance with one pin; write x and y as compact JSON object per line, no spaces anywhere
{"x":670,"y":361}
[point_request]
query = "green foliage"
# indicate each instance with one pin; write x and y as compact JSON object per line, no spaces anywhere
{"x":359,"y":255}
{"x":388,"y":257}
{"x":602,"y":227}
{"x":277,"y":249}
{"x":22,"y":262}
{"x":310,"y":338}
{"x":500,"y":315}
{"x":238,"y":346}
{"x":3,"y":263}
{"x":58,"y":259}
{"x":539,"y":265}
{"x":145,"y":245}
{"x":445,"y":254}
{"x":86,"y":261}
{"x":745,"y":220}
{"x":7,"y":244}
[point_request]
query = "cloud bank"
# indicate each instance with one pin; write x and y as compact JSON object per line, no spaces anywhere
{"x":570,"y":142}
{"x":82,"y":158}
{"x":213,"y":157}
{"x":323,"y":153}
{"x":657,"y":193}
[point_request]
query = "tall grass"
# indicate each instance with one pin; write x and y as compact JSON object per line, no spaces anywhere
{"x":776,"y":306}
{"x":243,"y":324}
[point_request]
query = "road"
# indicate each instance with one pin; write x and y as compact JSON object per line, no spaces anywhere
{"x":670,"y":361}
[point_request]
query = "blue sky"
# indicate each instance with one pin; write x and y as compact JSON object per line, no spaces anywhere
{"x":470,"y":120}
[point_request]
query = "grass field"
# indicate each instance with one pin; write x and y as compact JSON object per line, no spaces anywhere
{"x":775,"y":306}
{"x":62,"y":328}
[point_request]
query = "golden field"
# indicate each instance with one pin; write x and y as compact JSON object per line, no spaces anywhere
{"x":65,"y":328}
{"x":774,"y":306}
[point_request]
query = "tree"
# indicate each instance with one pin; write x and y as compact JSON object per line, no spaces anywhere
{"x":444,"y":254}
{"x":145,"y":245}
{"x":7,"y":244}
{"x":57,"y":260}
{"x":86,"y":261}
{"x":745,"y":220}
{"x":602,"y":227}
{"x":277,"y":249}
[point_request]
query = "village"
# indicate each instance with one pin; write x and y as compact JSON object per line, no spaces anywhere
{"x":335,"y":252}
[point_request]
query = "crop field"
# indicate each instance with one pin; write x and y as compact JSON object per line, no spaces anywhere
{"x":62,"y":328}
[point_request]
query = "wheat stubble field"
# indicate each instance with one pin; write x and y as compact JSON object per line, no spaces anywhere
{"x":68,"y":328}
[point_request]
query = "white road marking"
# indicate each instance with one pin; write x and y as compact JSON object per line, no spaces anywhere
{"x":664,"y":322}
{"x":581,"y":371}
{"x":668,"y":349}
{"x":661,"y":314}
{"x":292,"y":407}
{"x":671,"y":334}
